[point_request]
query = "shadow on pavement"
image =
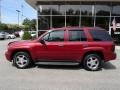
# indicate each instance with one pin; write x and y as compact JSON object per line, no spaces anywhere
{"x":108,"y":66}
{"x":65,"y":67}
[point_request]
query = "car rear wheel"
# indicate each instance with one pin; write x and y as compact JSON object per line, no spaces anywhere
{"x":21,"y":60}
{"x":92,"y":62}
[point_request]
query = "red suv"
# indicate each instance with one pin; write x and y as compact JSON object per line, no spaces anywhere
{"x":86,"y":45}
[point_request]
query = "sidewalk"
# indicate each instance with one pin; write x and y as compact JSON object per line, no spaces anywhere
{"x":117,"y":47}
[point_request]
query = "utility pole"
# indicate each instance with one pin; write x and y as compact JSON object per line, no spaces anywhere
{"x":18,"y":11}
{"x":22,"y":6}
{"x":0,"y":12}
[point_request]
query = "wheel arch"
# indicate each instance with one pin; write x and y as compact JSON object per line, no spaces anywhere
{"x":21,"y":50}
{"x":99,"y":53}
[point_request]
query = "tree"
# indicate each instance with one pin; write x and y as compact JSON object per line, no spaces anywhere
{"x":26,"y":36}
{"x":29,"y":24}
{"x":13,"y":27}
{"x":26,"y":21}
{"x":3,"y":26}
{"x":33,"y":24}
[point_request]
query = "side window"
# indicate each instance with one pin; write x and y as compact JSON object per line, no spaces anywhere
{"x":77,"y":35}
{"x":100,"y":35}
{"x":46,"y":37}
{"x":55,"y":36}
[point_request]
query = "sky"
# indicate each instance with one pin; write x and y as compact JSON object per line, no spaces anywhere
{"x":10,"y":15}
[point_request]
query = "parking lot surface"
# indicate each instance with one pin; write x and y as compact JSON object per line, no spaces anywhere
{"x":51,"y":77}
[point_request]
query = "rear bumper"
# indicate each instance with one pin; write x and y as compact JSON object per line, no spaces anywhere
{"x":8,"y":56}
{"x":110,"y":56}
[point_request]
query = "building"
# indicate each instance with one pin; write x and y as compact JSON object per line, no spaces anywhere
{"x":60,"y":13}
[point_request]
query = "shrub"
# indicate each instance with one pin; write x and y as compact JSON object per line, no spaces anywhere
{"x":26,"y":36}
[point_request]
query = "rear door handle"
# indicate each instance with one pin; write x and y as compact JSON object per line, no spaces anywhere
{"x":86,"y":45}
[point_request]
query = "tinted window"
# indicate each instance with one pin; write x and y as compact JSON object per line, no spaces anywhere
{"x":46,"y":37}
{"x":55,"y":36}
{"x":77,"y":35}
{"x":100,"y":35}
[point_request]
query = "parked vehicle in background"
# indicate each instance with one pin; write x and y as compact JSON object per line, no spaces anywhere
{"x":86,"y":45}
{"x":33,"y":34}
{"x":9,"y":36}
{"x":2,"y":35}
{"x":17,"y":33}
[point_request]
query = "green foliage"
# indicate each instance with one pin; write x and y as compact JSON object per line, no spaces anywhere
{"x":3,"y":27}
{"x":13,"y":27}
{"x":26,"y":21}
{"x":33,"y":24}
{"x":26,"y":36}
{"x":29,"y":24}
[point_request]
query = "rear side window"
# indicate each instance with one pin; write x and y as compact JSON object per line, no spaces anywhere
{"x":77,"y":35}
{"x":100,"y":35}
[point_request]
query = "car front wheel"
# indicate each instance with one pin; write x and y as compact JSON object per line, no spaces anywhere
{"x":92,"y":62}
{"x":21,"y":60}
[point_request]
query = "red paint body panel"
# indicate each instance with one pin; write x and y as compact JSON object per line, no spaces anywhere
{"x":62,"y":51}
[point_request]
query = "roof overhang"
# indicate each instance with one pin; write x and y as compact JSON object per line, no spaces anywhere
{"x":34,"y":3}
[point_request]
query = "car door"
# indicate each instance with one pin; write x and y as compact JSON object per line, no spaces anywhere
{"x":75,"y":45}
{"x":53,"y":49}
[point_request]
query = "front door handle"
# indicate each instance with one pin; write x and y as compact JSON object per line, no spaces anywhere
{"x":60,"y":45}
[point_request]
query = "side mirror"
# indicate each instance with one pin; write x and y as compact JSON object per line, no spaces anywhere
{"x":42,"y":42}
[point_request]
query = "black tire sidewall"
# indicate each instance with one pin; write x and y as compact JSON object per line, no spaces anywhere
{"x":85,"y":62}
{"x":21,"y":53}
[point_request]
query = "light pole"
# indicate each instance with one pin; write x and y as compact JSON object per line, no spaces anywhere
{"x":18,"y":11}
{"x":0,"y":12}
{"x":22,"y":7}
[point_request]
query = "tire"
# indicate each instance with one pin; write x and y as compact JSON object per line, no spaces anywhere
{"x":92,"y":62}
{"x":21,"y":60}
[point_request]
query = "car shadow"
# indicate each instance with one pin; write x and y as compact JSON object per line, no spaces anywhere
{"x":105,"y":66}
{"x":108,"y":66}
{"x":61,"y":67}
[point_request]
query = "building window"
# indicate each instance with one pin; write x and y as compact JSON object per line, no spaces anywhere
{"x":86,"y":10}
{"x":72,"y":9}
{"x":72,"y":21}
{"x":44,"y":9}
{"x":69,"y":14}
{"x":58,"y":21}
{"x":116,"y":10}
{"x":87,"y":21}
{"x":58,"y":9}
{"x":43,"y":22}
{"x":103,"y":22}
{"x":102,"y":10}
